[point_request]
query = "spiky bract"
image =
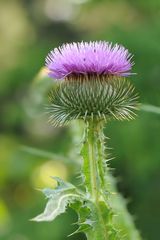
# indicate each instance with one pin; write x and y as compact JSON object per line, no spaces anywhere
{"x":97,"y":97}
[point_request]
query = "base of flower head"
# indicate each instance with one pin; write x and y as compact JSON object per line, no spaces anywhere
{"x":98,"y":97}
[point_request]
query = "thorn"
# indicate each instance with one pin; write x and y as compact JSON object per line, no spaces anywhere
{"x":108,"y":160}
{"x":113,"y":193}
{"x":76,"y":223}
{"x":39,"y":189}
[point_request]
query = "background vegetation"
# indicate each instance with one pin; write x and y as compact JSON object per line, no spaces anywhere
{"x":29,"y":30}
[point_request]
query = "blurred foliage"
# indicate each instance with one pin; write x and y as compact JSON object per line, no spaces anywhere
{"x":29,"y":29}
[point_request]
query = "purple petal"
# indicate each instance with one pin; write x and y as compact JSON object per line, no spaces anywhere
{"x":89,"y":58}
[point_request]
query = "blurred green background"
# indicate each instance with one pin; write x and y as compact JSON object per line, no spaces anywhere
{"x":30,"y":148}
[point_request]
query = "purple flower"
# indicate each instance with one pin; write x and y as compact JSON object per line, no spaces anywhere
{"x":98,"y":58}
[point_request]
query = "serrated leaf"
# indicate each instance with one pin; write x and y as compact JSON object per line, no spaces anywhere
{"x":59,"y":199}
{"x":84,"y":228}
{"x":83,"y":209}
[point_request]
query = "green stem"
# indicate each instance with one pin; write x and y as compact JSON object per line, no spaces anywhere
{"x":101,"y":156}
{"x":94,"y":175}
{"x":109,"y":211}
{"x":92,"y":172}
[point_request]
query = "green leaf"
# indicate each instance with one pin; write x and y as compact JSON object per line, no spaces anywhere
{"x":84,"y":211}
{"x":150,"y":108}
{"x":59,"y":198}
{"x":45,"y":154}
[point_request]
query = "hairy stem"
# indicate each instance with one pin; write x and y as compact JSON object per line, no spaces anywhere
{"x":109,"y":213}
{"x":102,"y":162}
{"x":93,"y":173}
{"x":110,"y":217}
{"x":93,"y":165}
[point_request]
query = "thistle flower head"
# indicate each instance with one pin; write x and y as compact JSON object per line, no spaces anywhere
{"x":89,"y":58}
{"x":93,"y":85}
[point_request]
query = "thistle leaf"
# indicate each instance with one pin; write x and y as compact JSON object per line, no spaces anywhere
{"x":84,"y":211}
{"x":59,"y":199}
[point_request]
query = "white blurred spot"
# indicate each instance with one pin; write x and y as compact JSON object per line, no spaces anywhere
{"x":78,"y":1}
{"x":61,"y":10}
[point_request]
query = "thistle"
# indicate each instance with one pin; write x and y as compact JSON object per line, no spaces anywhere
{"x":92,"y":87}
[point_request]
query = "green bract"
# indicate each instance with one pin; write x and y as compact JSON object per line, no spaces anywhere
{"x":91,"y":96}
